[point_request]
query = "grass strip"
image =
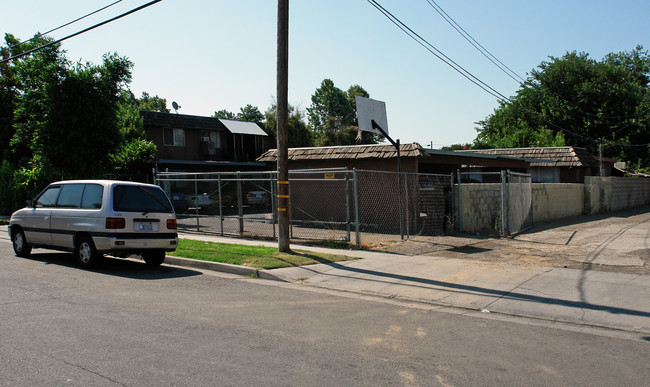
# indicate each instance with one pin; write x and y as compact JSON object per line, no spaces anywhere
{"x":258,"y":257}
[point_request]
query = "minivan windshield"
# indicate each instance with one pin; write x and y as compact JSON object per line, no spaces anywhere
{"x":133,"y":198}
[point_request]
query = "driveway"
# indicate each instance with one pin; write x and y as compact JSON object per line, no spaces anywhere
{"x":618,"y":242}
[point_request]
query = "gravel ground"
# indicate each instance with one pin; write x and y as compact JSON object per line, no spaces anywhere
{"x":615,"y":242}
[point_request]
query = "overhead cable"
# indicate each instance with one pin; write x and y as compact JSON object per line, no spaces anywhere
{"x":509,"y":72}
{"x":439,"y":54}
{"x":65,"y":25}
{"x":80,"y":32}
{"x":471,"y":77}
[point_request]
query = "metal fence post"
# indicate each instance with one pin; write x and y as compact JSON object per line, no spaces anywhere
{"x":196,"y":201}
{"x":273,"y":205}
{"x":502,"y":230}
{"x":220,"y":204}
{"x":508,"y":225}
{"x":408,"y":211}
{"x":356,"y":205}
{"x":460,"y":203}
{"x":347,"y":202}
{"x":452,"y":205}
{"x":289,"y":211}
{"x":240,"y":203}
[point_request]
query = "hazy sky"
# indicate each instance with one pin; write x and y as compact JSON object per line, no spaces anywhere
{"x":212,"y":55}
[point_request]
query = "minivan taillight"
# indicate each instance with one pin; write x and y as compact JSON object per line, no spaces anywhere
{"x":115,"y":223}
{"x":172,"y":224}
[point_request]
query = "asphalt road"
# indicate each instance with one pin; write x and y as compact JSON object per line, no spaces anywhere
{"x":127,"y":325}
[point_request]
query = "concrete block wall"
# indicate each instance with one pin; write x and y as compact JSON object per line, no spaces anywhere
{"x":608,"y":194}
{"x":480,"y":208}
{"x":557,"y":201}
{"x":480,"y":203}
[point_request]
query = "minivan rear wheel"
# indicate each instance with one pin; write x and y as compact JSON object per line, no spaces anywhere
{"x":86,"y":253}
{"x":154,"y":258}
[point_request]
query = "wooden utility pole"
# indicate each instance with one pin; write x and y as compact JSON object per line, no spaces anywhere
{"x":283,"y":119}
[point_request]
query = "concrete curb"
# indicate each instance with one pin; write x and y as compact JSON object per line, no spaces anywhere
{"x":222,"y":267}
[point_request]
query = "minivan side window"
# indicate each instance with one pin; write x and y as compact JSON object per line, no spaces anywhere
{"x":48,"y":198}
{"x":70,"y":196}
{"x":92,"y":198}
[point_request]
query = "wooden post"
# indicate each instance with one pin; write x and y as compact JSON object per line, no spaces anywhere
{"x":282,"y":129}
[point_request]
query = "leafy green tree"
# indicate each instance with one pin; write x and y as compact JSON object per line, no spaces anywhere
{"x":456,"y":147}
{"x":250,"y":113}
{"x":128,"y":114}
{"x":134,"y":158}
{"x":576,"y":100}
{"x":81,"y":122}
{"x":224,"y":114}
{"x":24,"y":84}
{"x":333,"y":118}
{"x":299,"y":134}
{"x":330,"y":108}
{"x":152,"y":104}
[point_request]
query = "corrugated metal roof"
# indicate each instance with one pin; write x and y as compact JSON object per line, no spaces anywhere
{"x":243,"y":127}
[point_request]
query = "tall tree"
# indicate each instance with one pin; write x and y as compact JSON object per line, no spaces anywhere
{"x":330,"y":108}
{"x":299,"y":134}
{"x":129,"y":107}
{"x":82,"y":117}
{"x":576,"y":100}
{"x":332,"y":115}
{"x":225,"y":114}
{"x":250,"y":113}
{"x":25,"y":82}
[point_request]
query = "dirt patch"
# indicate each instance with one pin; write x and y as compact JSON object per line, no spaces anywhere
{"x":619,"y":243}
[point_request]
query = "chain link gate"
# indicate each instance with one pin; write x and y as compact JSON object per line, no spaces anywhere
{"x":494,"y":202}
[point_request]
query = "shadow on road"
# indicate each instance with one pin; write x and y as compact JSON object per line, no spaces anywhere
{"x":126,"y":268}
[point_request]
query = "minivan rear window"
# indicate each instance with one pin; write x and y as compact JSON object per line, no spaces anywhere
{"x":132,"y":198}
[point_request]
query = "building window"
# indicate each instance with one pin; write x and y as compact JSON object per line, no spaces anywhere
{"x":211,"y":136}
{"x":174,"y":137}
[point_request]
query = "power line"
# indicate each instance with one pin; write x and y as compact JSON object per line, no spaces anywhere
{"x":503,"y":67}
{"x":437,"y":53}
{"x":465,"y":73}
{"x":66,"y":24}
{"x":80,"y":32}
{"x":509,"y":72}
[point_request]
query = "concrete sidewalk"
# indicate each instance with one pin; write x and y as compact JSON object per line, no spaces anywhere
{"x":584,"y":297}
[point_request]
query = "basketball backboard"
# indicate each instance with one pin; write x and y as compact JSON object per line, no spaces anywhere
{"x":369,"y":110}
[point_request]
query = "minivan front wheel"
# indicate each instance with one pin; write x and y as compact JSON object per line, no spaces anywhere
{"x":154,"y":258}
{"x":86,"y":253}
{"x":19,"y":242}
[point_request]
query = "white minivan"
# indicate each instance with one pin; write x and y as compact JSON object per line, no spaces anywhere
{"x":95,"y":217}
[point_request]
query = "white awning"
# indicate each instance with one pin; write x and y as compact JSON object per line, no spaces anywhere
{"x":243,"y":127}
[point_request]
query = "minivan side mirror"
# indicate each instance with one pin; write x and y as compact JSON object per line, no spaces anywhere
{"x":29,"y":203}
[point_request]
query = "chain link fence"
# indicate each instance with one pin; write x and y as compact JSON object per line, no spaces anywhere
{"x":356,"y":206}
{"x":352,"y":206}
